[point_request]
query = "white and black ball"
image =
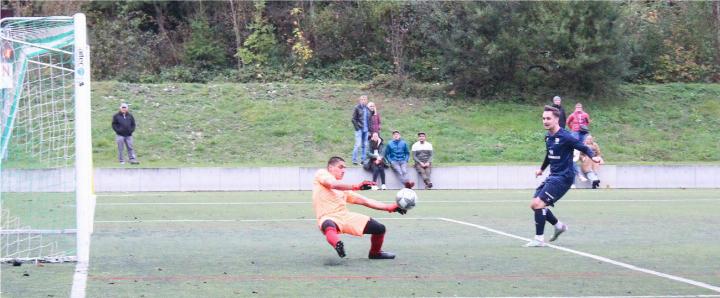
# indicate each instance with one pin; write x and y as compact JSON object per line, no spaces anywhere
{"x":406,"y":198}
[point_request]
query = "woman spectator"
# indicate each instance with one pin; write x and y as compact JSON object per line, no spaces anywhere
{"x":376,"y":160}
{"x":579,"y":123}
{"x":589,"y":167}
{"x":374,"y":119}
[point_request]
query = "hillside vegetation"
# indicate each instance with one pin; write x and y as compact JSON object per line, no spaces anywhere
{"x":227,"y":124}
{"x":482,"y":47}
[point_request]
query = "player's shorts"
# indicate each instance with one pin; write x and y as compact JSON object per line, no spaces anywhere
{"x":348,"y":222}
{"x":552,"y":189}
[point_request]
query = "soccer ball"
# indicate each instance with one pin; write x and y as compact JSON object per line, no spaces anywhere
{"x":406,"y":198}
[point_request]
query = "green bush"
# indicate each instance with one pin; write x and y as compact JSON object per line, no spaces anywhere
{"x":355,"y":70}
{"x":406,"y":86}
{"x":202,"y":51}
{"x":179,"y":74}
{"x":184,"y":74}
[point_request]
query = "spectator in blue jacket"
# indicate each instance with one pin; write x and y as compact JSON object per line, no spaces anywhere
{"x":398,"y":154}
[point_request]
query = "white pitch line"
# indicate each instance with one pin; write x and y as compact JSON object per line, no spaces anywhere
{"x":200,"y":203}
{"x":202,"y":220}
{"x":423,"y":202}
{"x":238,"y":220}
{"x":189,"y":193}
{"x":80,"y":279}
{"x":649,"y":296}
{"x":592,"y":256}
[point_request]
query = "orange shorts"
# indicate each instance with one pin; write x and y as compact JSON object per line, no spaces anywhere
{"x":348,"y":222}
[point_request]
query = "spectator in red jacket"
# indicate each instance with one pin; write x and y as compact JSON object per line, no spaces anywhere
{"x":579,"y":123}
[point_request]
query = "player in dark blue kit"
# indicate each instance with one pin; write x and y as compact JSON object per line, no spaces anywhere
{"x":559,"y":155}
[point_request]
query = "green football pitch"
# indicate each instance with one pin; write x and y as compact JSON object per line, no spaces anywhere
{"x":455,"y":243}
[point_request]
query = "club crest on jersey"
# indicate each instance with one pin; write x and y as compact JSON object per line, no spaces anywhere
{"x":557,"y":140}
{"x":551,"y":152}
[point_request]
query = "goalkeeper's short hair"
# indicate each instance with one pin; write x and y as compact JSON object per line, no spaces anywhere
{"x":334,"y":160}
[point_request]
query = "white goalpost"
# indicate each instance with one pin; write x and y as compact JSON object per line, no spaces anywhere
{"x":47,"y":198}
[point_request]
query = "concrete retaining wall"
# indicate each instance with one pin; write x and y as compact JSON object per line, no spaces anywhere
{"x":296,"y":178}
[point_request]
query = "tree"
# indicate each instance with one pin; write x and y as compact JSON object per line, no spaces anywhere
{"x":301,"y":51}
{"x":260,"y":45}
{"x":202,"y":51}
{"x":160,"y":19}
{"x":396,"y":19}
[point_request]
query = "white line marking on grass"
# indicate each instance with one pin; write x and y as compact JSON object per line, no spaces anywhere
{"x":592,"y":256}
{"x":424,"y":202}
{"x":579,"y":201}
{"x":238,"y":220}
{"x":79,"y":280}
{"x":200,"y":203}
{"x":186,"y":193}
{"x":651,"y":296}
{"x":637,"y":201}
{"x":202,"y":220}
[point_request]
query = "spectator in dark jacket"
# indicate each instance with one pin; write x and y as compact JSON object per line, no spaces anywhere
{"x":557,"y":103}
{"x":361,"y":123}
{"x":123,"y":124}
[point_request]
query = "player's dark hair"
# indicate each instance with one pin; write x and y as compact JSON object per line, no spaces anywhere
{"x":334,"y":160}
{"x":554,"y":111}
{"x":421,"y":134}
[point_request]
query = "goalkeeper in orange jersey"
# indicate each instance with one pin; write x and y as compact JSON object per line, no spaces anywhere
{"x":330,"y":197}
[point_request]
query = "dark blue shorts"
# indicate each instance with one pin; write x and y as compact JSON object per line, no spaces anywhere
{"x":552,"y":189}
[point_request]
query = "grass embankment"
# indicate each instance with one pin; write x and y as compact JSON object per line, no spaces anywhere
{"x":224,"y":124}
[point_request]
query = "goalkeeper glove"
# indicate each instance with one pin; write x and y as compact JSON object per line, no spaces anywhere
{"x":365,"y":185}
{"x":395,"y":208}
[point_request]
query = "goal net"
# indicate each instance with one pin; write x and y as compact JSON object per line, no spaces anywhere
{"x":46,"y":195}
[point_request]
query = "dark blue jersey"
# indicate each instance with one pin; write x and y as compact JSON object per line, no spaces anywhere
{"x":559,"y":153}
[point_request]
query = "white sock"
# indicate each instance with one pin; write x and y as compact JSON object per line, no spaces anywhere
{"x":540,"y":238}
{"x":559,"y":225}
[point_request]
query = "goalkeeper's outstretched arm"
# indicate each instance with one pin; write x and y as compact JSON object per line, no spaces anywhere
{"x":344,"y":186}
{"x":370,"y":203}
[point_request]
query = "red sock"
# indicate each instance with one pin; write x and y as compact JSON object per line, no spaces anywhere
{"x":332,"y":236}
{"x":376,"y":242}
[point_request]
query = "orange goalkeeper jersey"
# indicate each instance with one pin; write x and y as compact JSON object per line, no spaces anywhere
{"x":332,"y":204}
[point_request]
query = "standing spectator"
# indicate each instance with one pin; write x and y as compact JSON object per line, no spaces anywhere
{"x":557,"y":103}
{"x":374,"y":119}
{"x":397,"y":154}
{"x":422,"y":152}
{"x":376,"y":161}
{"x":361,"y":123}
{"x":123,"y":124}
{"x":590,"y":168}
{"x":579,"y":123}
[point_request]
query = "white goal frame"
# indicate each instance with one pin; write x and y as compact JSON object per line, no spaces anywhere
{"x":83,"y":167}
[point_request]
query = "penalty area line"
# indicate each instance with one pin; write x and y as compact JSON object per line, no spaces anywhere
{"x":241,"y":220}
{"x":592,"y":256}
{"x":647,"y":296}
{"x":424,"y":202}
